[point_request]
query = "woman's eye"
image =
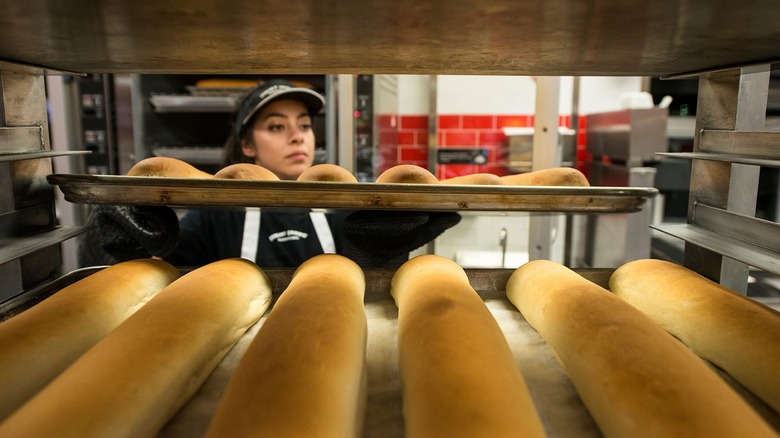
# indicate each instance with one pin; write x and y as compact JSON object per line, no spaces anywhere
{"x":305,"y":127}
{"x":276,"y":128}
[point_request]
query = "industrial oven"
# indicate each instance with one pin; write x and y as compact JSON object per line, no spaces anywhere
{"x":728,"y":45}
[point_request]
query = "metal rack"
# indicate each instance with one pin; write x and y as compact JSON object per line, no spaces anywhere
{"x":564,"y":37}
{"x":29,"y":233}
{"x":723,"y":237}
{"x":497,"y":37}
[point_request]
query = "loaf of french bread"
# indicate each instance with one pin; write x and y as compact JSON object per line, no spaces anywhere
{"x":485,"y":179}
{"x":166,"y":167}
{"x":635,"y":378}
{"x":135,"y":378}
{"x":555,"y":176}
{"x":407,"y":174}
{"x":247,"y":171}
{"x":734,"y":332}
{"x":458,"y":375}
{"x":327,"y":172}
{"x":303,"y":374}
{"x":39,"y":343}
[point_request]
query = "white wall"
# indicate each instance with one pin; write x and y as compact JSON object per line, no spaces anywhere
{"x":508,"y":94}
{"x":602,"y":94}
{"x":485,"y":95}
{"x":413,"y":94}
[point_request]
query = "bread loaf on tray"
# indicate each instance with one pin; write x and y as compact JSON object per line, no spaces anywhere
{"x":303,"y":374}
{"x":634,"y":377}
{"x":246,"y":171}
{"x":555,"y":176}
{"x":734,"y":332}
{"x":482,"y":179}
{"x":37,"y":344}
{"x":407,"y":174}
{"x":327,"y":172}
{"x":166,"y":167}
{"x":458,"y":375}
{"x":132,"y":381}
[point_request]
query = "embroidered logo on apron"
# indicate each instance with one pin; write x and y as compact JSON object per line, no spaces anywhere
{"x":287,"y":235}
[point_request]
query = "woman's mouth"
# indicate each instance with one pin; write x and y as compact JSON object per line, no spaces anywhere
{"x":297,"y":156}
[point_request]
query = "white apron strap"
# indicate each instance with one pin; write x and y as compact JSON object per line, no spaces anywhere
{"x":251,"y":234}
{"x":322,"y":229}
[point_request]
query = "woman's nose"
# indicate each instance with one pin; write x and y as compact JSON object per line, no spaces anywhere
{"x":296,"y":135}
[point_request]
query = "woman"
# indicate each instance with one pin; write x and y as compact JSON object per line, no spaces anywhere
{"x":273,"y":128}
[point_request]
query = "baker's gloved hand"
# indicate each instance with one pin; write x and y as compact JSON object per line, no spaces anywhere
{"x":121,"y":233}
{"x":383,"y":239}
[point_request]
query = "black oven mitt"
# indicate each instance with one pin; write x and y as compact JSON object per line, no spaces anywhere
{"x":383,"y":239}
{"x":119,"y":233}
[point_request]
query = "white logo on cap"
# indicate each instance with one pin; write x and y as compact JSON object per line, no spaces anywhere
{"x":272,"y":90}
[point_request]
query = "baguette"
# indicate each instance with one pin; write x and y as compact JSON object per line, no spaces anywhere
{"x":556,"y":176}
{"x":634,"y":377}
{"x":327,"y":172}
{"x":132,"y":381}
{"x":406,"y":174}
{"x":738,"y":334}
{"x":166,"y":167}
{"x":475,"y":178}
{"x":458,"y":375}
{"x":304,"y":373}
{"x":39,"y":343}
{"x":248,"y":171}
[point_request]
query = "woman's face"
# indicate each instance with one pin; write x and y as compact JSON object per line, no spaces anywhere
{"x":282,"y":139}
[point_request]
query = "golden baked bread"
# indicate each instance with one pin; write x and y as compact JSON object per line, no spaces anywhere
{"x":556,"y":176}
{"x":407,"y":174}
{"x":166,"y":167}
{"x":635,"y":378}
{"x":327,"y":172}
{"x":458,"y":375}
{"x":303,"y":374}
{"x":39,"y":343}
{"x":475,"y":178}
{"x":246,"y":171}
{"x":132,"y":381}
{"x":734,"y":332}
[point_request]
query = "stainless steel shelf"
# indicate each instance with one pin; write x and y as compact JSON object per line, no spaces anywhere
{"x":193,"y":104}
{"x":191,"y":154}
{"x":38,"y":154}
{"x":750,"y":240}
{"x":739,"y":159}
{"x":15,"y":247}
{"x":724,"y":245}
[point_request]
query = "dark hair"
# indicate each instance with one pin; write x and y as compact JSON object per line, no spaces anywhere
{"x":231,"y":150}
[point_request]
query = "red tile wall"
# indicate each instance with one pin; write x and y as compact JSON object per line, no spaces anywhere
{"x":407,"y":141}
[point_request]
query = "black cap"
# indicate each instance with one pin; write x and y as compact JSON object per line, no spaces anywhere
{"x":270,"y":91}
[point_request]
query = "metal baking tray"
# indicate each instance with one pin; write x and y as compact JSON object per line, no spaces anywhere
{"x":134,"y":190}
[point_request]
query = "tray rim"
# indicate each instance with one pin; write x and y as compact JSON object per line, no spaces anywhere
{"x":92,"y":189}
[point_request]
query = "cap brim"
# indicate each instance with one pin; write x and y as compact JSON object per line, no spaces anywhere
{"x":313,"y":101}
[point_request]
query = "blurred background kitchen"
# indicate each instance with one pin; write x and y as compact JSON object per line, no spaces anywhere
{"x":610,"y":128}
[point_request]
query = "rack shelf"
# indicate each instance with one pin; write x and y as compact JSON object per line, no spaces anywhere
{"x":739,"y":159}
{"x":18,"y":156}
{"x":12,"y":248}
